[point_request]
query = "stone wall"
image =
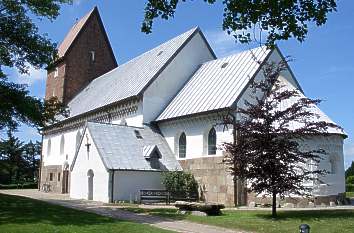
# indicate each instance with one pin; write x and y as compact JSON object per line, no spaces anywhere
{"x":55,"y":183}
{"x":216,"y":185}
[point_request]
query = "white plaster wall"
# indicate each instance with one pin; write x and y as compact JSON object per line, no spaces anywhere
{"x":135,"y":119}
{"x":172,"y":79}
{"x":127,"y":184}
{"x":196,"y":130}
{"x":55,"y":158}
{"x":79,"y":178}
{"x":333,"y":145}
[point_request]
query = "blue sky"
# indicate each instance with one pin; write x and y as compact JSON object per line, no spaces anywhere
{"x":323,"y":64}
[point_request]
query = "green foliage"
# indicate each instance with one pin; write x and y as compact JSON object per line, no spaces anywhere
{"x":27,"y":185}
{"x":280,"y":20}
{"x":350,"y":170}
{"x":180,"y":182}
{"x":349,"y":187}
{"x":349,"y":180}
{"x":22,"y":46}
{"x":18,"y":161}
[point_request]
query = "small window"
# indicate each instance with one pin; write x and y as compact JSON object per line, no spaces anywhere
{"x":212,"y":142}
{"x":92,"y":53}
{"x":51,"y":175}
{"x":224,"y":64}
{"x":159,"y":53}
{"x":56,"y":72}
{"x":49,"y":147}
{"x":182,"y":146}
{"x":137,"y":134}
{"x":59,"y":176}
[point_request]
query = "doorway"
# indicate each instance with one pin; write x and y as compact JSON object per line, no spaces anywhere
{"x":65,"y":182}
{"x":90,"y":184}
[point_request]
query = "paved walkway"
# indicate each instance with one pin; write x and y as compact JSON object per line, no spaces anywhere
{"x":116,"y":212}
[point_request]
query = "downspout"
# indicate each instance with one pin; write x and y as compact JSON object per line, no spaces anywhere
{"x":112,"y":185}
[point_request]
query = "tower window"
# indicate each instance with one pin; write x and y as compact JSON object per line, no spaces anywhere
{"x":56,"y":72}
{"x":137,"y":134}
{"x":92,"y":53}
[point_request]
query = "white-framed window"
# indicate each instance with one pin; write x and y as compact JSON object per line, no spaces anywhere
{"x":49,"y":147}
{"x":56,"y":72}
{"x":62,"y":145}
{"x":212,"y":141}
{"x":182,"y":145}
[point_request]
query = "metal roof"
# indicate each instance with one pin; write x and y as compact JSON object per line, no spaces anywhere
{"x":216,"y":84}
{"x":121,"y":149}
{"x":129,"y":79}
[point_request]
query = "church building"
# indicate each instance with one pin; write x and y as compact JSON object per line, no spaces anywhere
{"x":131,"y":122}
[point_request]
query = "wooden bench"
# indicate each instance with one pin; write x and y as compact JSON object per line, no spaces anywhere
{"x":155,"y":195}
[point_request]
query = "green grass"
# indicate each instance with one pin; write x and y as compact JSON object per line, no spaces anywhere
{"x":349,"y":194}
{"x":19,"y":214}
{"x":324,"y":221}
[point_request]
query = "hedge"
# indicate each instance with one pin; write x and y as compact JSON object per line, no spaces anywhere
{"x":19,"y":186}
{"x":349,"y":187}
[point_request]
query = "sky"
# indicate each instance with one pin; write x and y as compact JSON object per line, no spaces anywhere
{"x":323,"y":64}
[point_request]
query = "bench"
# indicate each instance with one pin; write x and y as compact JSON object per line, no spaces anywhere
{"x":155,"y":195}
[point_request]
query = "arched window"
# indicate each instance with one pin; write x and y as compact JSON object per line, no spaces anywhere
{"x":212,"y":142}
{"x":49,"y":147}
{"x":62,"y":144}
{"x":182,"y":146}
{"x":78,"y":138}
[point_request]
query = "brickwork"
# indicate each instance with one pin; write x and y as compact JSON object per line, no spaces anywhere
{"x":88,"y":57}
{"x":216,"y":185}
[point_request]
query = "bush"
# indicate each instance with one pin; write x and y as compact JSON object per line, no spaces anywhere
{"x":19,"y":186}
{"x":349,"y":187}
{"x":181,"y":183}
{"x":349,"y":180}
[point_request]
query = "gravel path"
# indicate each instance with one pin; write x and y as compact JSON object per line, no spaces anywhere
{"x":116,"y":212}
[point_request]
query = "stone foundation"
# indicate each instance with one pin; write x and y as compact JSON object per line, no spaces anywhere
{"x":215,"y":184}
{"x":56,"y":185}
{"x":300,"y":202}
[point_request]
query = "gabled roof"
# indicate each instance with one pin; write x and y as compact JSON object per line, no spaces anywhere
{"x":72,"y":34}
{"x":120,"y":149}
{"x":217,"y":84}
{"x":129,"y":79}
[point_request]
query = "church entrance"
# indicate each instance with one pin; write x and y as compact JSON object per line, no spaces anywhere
{"x":90,"y":184}
{"x":65,"y":182}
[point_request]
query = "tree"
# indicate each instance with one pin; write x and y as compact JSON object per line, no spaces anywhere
{"x":350,"y":170}
{"x":12,"y":162}
{"x":269,"y":131}
{"x":31,"y":154}
{"x":280,"y":20}
{"x":22,"y":46}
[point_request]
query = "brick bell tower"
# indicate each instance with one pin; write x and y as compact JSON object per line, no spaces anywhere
{"x":84,"y":54}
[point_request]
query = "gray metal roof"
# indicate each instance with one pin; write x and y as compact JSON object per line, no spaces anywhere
{"x":120,"y":149}
{"x":216,"y":84}
{"x":129,"y":79}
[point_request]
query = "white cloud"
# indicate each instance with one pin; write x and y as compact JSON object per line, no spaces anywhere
{"x":222,"y":43}
{"x":348,"y":153}
{"x":34,"y":75}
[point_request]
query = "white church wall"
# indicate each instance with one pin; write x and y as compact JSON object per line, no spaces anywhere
{"x":79,"y":175}
{"x":333,"y":162}
{"x":58,"y":155}
{"x":196,"y":130}
{"x":135,"y":119}
{"x":127,"y":184}
{"x":172,"y":79}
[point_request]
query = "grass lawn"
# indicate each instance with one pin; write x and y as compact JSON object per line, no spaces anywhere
{"x":321,"y":221}
{"x":20,"y":214}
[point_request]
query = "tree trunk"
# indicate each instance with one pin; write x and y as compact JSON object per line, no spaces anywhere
{"x":274,"y":205}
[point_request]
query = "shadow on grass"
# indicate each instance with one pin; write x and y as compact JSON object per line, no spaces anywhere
{"x":22,"y":210}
